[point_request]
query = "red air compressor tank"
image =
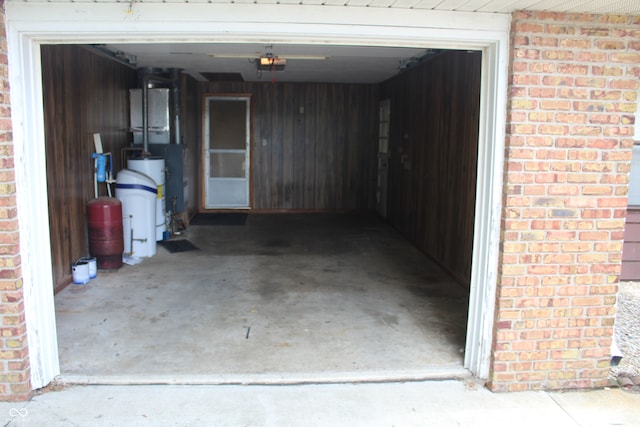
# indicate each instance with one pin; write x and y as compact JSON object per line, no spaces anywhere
{"x":106,"y":242}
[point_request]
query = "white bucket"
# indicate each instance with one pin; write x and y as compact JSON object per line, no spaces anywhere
{"x":93,"y":266}
{"x":80,"y":272}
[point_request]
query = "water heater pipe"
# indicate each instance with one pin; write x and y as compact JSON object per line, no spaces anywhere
{"x":175,"y":92}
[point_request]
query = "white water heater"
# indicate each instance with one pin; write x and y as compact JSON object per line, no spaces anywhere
{"x":137,"y":192}
{"x":153,"y":167}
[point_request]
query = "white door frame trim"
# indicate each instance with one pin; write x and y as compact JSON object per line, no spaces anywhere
{"x":29,"y":24}
{"x":206,"y":148}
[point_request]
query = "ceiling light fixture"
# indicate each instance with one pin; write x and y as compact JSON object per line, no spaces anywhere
{"x":269,"y":62}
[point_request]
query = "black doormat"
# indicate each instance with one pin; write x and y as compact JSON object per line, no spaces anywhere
{"x":182,"y":245}
{"x":219,"y":219}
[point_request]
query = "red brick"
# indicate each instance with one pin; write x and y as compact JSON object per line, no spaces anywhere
{"x":620,"y":107}
{"x":591,"y":56}
{"x":561,"y":235}
{"x":575,"y":43}
{"x":565,"y":190}
{"x":615,"y":131}
{"x":587,"y":301}
{"x":535,"y":190}
{"x":525,"y":79}
{"x":555,"y":155}
{"x":605,"y":144}
{"x":500,"y":367}
{"x":524,"y":27}
{"x":606,"y":70}
{"x":549,"y":16}
{"x":629,"y":58}
{"x":555,"y":55}
{"x":613,"y":269}
{"x":577,"y":247}
{"x":595,"y":31}
{"x":603,"y":290}
{"x":558,"y":105}
{"x":548,"y":178}
{"x":536,"y":166}
{"x":568,"y":117}
{"x":560,"y":29}
{"x":574,"y":269}
{"x":552,"y":345}
{"x":555,"y":280}
{"x":565,"y":354}
{"x":570,"y":142}
{"x":544,"y":41}
{"x":589,"y":106}
{"x":542,"y":269}
{"x":543,"y":92}
{"x":610,"y":44}
{"x":526,"y":53}
{"x":524,"y":104}
{"x":604,"y":119}
{"x":534,"y":355}
{"x":542,"y":67}
{"x":624,"y":84}
{"x":586,"y":178}
{"x":578,"y":225}
{"x":595,"y":353}
{"x":548,"y":366}
{"x":591,"y":258}
{"x":606,"y":95}
{"x":575,"y":69}
{"x":557,"y":80}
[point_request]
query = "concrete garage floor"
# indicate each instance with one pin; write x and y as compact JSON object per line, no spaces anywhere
{"x":281,"y":299}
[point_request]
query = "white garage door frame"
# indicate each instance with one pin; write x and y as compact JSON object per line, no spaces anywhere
{"x":30,"y":24}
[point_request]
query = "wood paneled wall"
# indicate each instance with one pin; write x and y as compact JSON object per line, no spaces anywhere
{"x":84,"y":93}
{"x":314,"y":144}
{"x":191,"y":119}
{"x":434,"y":150}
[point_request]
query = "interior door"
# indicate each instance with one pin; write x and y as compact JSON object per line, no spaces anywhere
{"x":226,"y":152}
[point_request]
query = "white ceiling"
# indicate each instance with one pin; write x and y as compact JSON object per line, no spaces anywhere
{"x":490,"y":6}
{"x":343,"y":64}
{"x":347,"y":64}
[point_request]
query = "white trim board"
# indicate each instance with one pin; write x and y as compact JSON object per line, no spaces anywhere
{"x":31,"y":24}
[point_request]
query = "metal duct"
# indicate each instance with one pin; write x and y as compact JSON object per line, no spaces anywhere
{"x":147,"y":76}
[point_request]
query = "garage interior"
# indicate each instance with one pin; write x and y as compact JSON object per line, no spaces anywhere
{"x":328,"y":278}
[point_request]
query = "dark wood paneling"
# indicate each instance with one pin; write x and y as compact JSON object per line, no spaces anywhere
{"x":84,"y":93}
{"x":191,"y":97}
{"x":434,"y":149}
{"x":314,"y":145}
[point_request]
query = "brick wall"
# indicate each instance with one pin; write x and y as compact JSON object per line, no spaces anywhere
{"x":572,"y":93}
{"x":14,"y":364}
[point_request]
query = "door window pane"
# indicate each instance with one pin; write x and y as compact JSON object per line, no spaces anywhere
{"x":228,"y":124}
{"x":227,"y":165}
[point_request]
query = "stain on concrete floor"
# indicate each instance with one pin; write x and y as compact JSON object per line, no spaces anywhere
{"x":320,"y":293}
